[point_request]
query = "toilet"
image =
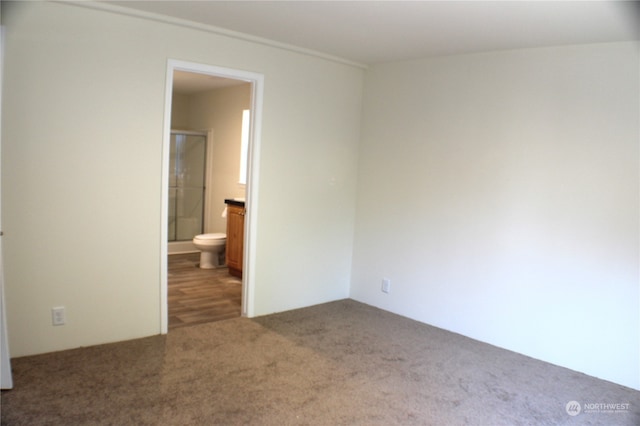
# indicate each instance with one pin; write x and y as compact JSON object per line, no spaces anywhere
{"x":211,"y":248}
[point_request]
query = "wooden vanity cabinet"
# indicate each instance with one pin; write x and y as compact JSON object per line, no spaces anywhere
{"x":235,"y":239}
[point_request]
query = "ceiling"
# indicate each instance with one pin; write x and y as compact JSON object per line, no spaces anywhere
{"x":369,"y":32}
{"x":188,"y":83}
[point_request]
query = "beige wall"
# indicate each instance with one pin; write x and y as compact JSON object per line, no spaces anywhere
{"x":500,"y":194}
{"x":83,"y":113}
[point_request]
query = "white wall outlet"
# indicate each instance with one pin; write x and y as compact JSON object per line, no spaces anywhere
{"x":386,"y":285}
{"x":57,"y":316}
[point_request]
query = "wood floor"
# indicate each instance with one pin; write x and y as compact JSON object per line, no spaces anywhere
{"x":199,"y":295}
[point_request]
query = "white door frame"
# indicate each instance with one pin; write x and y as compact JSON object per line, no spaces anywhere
{"x":6,"y":380}
{"x":250,"y":225}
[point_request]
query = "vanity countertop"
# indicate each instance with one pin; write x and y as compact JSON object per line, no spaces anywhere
{"x":235,"y":201}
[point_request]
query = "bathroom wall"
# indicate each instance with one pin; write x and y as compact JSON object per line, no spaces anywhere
{"x":499,"y":193}
{"x":83,"y":120}
{"x":180,"y":111}
{"x":221,"y":111}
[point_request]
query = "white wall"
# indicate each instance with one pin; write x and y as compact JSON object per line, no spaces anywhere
{"x":499,"y":193}
{"x":83,"y":114}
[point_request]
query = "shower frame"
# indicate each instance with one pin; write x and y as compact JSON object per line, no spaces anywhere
{"x":183,"y":246}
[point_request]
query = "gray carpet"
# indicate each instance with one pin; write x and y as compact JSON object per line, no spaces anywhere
{"x":341,"y":363}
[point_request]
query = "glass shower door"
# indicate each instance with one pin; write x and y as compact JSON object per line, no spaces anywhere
{"x":186,"y":185}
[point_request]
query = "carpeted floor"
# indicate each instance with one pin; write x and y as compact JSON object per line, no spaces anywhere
{"x":341,"y":363}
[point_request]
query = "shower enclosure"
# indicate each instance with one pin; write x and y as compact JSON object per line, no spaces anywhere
{"x":187,"y":165}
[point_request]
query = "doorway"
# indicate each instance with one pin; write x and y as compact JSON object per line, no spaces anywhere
{"x":251,"y":200}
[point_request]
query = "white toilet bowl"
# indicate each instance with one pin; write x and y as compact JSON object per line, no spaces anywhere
{"x":211,"y":248}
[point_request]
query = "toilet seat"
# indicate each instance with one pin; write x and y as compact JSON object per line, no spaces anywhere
{"x":210,"y":237}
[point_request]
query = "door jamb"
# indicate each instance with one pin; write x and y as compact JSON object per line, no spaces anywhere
{"x":251,"y":202}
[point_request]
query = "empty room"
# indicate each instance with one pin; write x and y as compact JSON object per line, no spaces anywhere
{"x":441,"y":214}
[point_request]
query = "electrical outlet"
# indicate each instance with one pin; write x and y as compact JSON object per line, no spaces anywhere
{"x":386,"y":285}
{"x":57,"y":316}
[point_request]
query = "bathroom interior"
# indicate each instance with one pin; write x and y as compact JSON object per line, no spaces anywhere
{"x":207,"y":186}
